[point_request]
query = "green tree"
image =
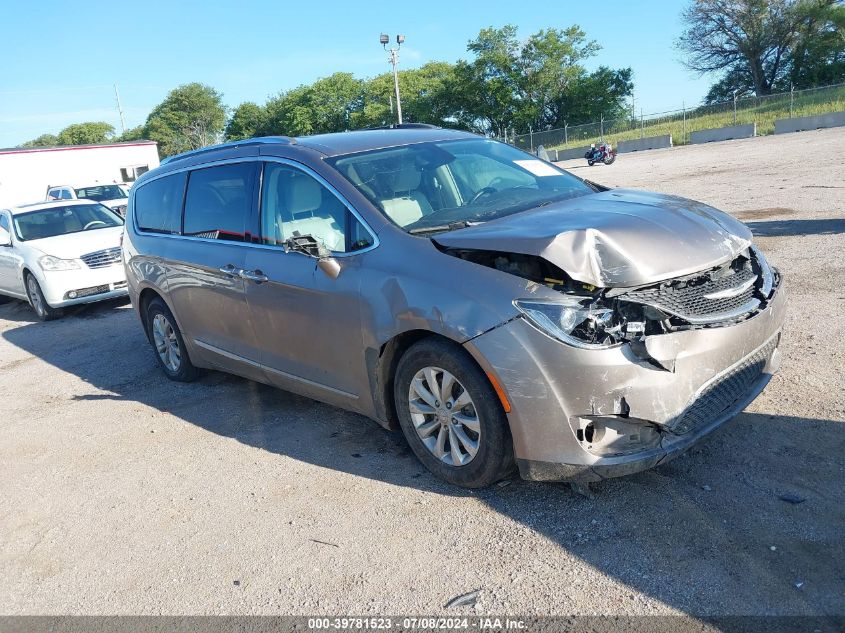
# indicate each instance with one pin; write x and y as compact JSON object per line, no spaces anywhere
{"x":190,"y":117}
{"x":136,"y":133}
{"x":488,"y":98}
{"x":539,"y":82}
{"x":818,"y":56}
{"x":427,"y":97}
{"x":247,"y":121}
{"x":91,"y":133}
{"x":45,"y":140}
{"x":764,"y":46}
{"x":328,"y":105}
{"x":602,"y":93}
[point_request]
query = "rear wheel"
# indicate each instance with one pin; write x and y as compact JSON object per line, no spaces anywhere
{"x":168,"y":343}
{"x":451,"y":416}
{"x":36,"y":299}
{"x":591,"y":162}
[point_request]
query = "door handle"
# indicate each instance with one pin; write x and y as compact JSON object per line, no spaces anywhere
{"x":253,"y":275}
{"x":230,"y":270}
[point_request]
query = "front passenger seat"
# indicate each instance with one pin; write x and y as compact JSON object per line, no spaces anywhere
{"x":408,"y":204}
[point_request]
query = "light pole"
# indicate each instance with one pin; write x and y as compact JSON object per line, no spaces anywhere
{"x":384,"y":40}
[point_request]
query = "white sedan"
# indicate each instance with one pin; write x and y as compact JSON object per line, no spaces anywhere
{"x":57,"y":254}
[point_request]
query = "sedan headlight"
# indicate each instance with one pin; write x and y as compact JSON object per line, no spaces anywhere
{"x":578,"y":321}
{"x":50,"y":263}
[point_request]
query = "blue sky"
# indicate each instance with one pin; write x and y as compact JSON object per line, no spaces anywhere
{"x":62,"y":58}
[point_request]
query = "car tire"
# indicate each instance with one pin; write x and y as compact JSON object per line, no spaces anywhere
{"x":434,"y":435}
{"x":167,"y":342}
{"x":4,"y":299}
{"x":39,"y":304}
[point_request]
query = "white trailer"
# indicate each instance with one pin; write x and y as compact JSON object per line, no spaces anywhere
{"x":25,"y":174}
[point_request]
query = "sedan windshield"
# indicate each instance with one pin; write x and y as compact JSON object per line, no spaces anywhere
{"x":101,"y":192}
{"x":36,"y":225}
{"x":437,"y":186}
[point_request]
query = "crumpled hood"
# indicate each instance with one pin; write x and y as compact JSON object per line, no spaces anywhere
{"x":616,"y":238}
{"x":73,"y":245}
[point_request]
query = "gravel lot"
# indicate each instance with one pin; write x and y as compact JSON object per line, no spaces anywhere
{"x":121,"y":492}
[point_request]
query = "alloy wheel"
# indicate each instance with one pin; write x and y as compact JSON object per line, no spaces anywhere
{"x":444,"y":416}
{"x":35,"y":295}
{"x":166,"y":343}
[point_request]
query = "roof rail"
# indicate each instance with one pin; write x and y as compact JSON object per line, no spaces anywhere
{"x":260,"y":140}
{"x":406,"y":126}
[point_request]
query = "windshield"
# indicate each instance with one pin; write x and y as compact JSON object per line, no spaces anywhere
{"x":36,"y":225}
{"x":101,"y":192}
{"x":427,"y":187}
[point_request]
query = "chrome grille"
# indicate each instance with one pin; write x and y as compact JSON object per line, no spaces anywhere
{"x":101,"y":259}
{"x":725,"y":392}
{"x":725,"y":293}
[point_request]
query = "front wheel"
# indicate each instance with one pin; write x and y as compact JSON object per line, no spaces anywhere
{"x":451,"y":416}
{"x":608,"y":160}
{"x":43,"y":310}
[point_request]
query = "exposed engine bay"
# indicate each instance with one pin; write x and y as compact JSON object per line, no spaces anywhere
{"x":604,"y":317}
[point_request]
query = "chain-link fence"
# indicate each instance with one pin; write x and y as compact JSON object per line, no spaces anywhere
{"x":680,"y":123}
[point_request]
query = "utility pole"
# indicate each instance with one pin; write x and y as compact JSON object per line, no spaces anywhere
{"x":384,"y":39}
{"x":120,"y":110}
{"x":684,"y":135}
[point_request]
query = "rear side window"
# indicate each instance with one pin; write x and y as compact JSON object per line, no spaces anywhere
{"x":218,"y":202}
{"x":158,"y":204}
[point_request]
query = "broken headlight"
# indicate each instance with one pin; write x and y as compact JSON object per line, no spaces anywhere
{"x":765,"y":273}
{"x":583,"y":322}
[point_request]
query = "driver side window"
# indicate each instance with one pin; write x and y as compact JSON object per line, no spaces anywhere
{"x":295,"y":203}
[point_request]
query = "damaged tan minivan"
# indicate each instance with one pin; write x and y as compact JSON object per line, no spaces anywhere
{"x":504,"y":313}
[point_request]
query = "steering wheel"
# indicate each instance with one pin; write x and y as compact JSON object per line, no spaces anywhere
{"x":93,"y":223}
{"x":484,"y":191}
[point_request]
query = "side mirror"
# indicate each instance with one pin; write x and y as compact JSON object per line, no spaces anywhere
{"x":5,"y":237}
{"x":312,"y":247}
{"x":330,"y":266}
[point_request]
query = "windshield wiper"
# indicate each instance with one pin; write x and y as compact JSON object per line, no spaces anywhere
{"x":452,"y":226}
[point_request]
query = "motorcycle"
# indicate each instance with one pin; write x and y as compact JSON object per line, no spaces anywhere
{"x":604,"y":153}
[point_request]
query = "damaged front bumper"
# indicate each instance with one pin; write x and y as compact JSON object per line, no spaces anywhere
{"x":586,"y":415}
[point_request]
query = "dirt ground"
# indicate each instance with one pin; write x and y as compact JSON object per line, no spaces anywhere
{"x":121,"y":492}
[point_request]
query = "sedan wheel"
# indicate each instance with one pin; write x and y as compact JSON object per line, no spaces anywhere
{"x":444,"y":416}
{"x":37,"y":300}
{"x":35,"y":295}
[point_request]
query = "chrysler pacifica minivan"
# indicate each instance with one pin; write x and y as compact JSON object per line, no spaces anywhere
{"x":500,"y":311}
